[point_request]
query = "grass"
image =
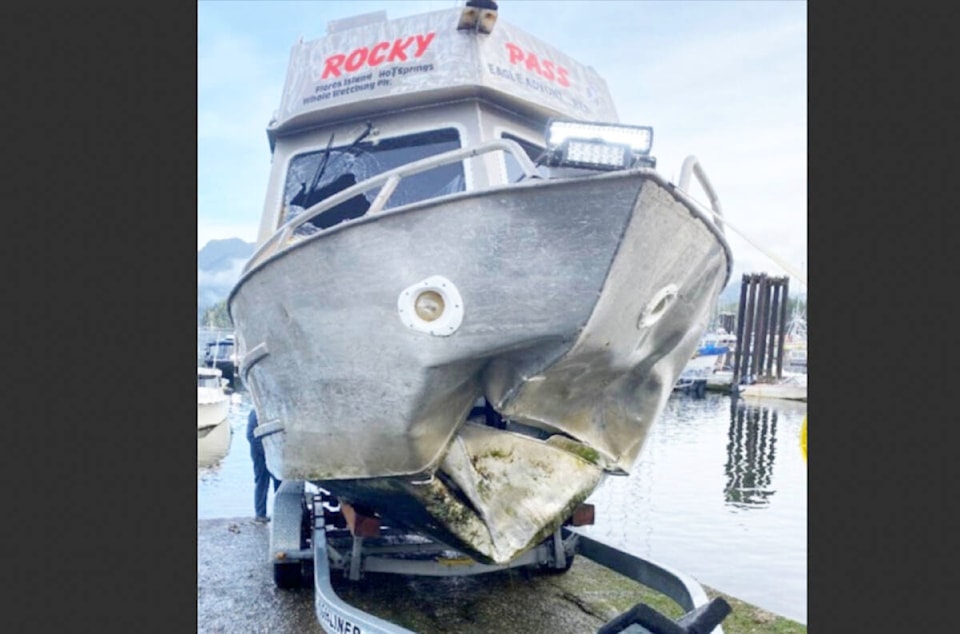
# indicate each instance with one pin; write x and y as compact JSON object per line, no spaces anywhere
{"x":622,"y":594}
{"x":587,"y":593}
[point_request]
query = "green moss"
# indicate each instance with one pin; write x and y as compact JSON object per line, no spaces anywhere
{"x":483,"y":489}
{"x":621,"y":594}
{"x":579,"y":449}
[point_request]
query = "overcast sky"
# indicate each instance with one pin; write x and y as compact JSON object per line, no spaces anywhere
{"x":724,"y":81}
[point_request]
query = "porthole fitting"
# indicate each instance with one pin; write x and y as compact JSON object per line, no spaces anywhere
{"x":433,"y":306}
{"x":657,"y":306}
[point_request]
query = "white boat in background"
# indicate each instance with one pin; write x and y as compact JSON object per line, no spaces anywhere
{"x":708,"y":358}
{"x":795,"y":344}
{"x":792,"y":387}
{"x":413,"y":259}
{"x":213,"y":402}
{"x":213,"y":443}
{"x":795,"y":357}
{"x":715,"y":348}
{"x":221,"y":354}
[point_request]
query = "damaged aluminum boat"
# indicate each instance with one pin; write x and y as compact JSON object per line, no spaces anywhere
{"x":472,"y":291}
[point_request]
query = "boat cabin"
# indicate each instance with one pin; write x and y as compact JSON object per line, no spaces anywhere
{"x":375,"y":95}
{"x":219,"y":351}
{"x":209,"y":377}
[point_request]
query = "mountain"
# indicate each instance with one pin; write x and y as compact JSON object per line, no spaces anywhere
{"x":219,"y":264}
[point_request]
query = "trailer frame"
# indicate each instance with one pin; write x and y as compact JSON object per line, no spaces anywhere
{"x":309,"y":540}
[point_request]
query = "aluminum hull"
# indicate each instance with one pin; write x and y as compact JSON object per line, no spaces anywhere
{"x":582,"y":300}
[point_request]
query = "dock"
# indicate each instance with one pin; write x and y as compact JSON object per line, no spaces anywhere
{"x":790,"y":387}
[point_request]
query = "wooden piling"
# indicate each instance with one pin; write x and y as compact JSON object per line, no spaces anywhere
{"x":772,"y":346}
{"x":783,"y":327}
{"x":749,"y":326}
{"x":741,"y":311}
{"x":761,"y":327}
{"x":762,"y":324}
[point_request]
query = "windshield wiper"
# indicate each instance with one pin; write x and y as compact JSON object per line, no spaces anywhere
{"x":305,"y":197}
{"x":326,"y":156}
{"x":321,"y":168}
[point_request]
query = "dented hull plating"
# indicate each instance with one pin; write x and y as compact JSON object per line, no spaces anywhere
{"x":582,"y":299}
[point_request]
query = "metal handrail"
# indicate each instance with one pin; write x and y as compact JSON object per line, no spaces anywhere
{"x":389,"y":179}
{"x":692,"y":166}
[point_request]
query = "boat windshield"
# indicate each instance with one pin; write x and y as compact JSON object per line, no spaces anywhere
{"x":314,"y":176}
{"x":222,"y":350}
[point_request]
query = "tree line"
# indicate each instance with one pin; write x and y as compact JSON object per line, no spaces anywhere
{"x":217,"y":316}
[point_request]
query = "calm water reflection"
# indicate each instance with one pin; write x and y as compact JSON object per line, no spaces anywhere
{"x":750,"y":456}
{"x":719,"y":492}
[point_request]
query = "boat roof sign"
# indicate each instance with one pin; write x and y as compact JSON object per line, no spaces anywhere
{"x":365,"y":19}
{"x":424,"y":58}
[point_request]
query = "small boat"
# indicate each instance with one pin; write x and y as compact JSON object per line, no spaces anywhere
{"x":709,"y":358}
{"x":213,"y":402}
{"x":213,"y":443}
{"x":221,"y":354}
{"x":791,"y":387}
{"x":795,"y":345}
{"x":795,"y":357}
{"x":455,"y":217}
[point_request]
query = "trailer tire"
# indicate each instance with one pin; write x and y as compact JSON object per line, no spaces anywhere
{"x":551,"y":570}
{"x":288,"y":575}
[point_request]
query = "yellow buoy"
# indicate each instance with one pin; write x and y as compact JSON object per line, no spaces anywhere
{"x":803,"y":437}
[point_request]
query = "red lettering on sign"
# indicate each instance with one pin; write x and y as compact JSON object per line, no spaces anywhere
{"x":356,"y":59}
{"x":397,"y":51}
{"x":423,"y":41}
{"x":374,"y":58}
{"x":532,"y":64}
{"x":338,"y":63}
{"x":332,"y":66}
{"x":546,"y":68}
{"x":516,"y":53}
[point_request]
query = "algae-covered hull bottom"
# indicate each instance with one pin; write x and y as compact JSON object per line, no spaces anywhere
{"x":567,"y":306}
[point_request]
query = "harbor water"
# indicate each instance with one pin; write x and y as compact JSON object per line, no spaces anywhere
{"x":719,"y":492}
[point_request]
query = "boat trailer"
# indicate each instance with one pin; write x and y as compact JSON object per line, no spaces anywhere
{"x":312,"y":535}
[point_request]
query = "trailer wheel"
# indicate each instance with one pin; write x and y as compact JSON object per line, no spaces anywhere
{"x":289,"y":530}
{"x":568,"y":563}
{"x":288,"y":575}
{"x":551,"y":570}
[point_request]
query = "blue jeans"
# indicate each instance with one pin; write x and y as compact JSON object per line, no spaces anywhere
{"x":261,"y":478}
{"x":261,"y":475}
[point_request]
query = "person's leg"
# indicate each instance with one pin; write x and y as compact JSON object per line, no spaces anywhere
{"x":261,"y":479}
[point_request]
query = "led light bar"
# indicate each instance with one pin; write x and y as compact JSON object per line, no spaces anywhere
{"x":598,"y":145}
{"x":577,"y":153}
{"x":639,"y":138}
